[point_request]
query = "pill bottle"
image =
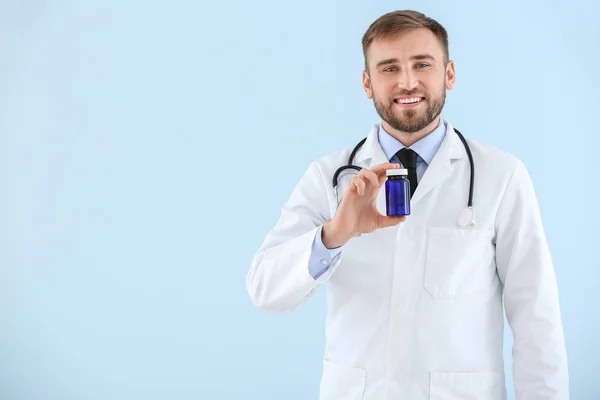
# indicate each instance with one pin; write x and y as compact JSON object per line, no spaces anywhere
{"x":397,"y":192}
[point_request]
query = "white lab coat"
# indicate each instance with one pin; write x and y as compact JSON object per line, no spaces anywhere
{"x":415,"y":311}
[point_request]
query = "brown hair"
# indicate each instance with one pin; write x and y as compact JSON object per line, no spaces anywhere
{"x":397,"y":22}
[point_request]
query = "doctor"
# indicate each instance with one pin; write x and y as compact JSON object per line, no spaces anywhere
{"x":415,"y":305}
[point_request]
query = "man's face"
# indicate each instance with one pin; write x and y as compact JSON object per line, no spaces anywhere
{"x":407,"y":79}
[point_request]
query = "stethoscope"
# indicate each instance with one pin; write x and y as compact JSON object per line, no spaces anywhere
{"x":466,"y":218}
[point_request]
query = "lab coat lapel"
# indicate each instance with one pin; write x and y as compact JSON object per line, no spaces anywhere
{"x":441,"y":167}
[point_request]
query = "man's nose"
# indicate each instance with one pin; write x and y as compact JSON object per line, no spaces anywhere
{"x":407,"y":80}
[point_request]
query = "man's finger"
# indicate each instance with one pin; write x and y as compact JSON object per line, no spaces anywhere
{"x":370,"y":175}
{"x":360,"y":185}
{"x":387,"y":221}
{"x":380,"y":169}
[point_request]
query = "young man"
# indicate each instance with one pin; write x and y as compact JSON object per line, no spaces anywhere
{"x":415,"y":305}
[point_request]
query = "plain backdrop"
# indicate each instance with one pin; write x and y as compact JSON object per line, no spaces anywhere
{"x":146,"y":149}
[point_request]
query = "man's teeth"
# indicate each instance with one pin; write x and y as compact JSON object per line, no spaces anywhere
{"x":408,"y":101}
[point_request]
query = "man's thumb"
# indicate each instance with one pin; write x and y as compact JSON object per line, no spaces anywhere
{"x":387,"y":221}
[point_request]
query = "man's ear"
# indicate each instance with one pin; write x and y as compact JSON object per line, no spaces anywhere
{"x":450,"y":75}
{"x":367,"y":84}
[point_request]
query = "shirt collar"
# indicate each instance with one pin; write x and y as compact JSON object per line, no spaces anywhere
{"x":425,"y":148}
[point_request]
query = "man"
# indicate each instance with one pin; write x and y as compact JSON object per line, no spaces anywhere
{"x":415,"y":305}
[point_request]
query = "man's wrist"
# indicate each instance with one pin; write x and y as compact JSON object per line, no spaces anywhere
{"x":332,"y":236}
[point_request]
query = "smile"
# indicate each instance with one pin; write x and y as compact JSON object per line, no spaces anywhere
{"x":409,"y":101}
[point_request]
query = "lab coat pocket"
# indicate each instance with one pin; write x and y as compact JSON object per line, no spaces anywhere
{"x":459,"y":261}
{"x":341,"y":382}
{"x":467,"y":386}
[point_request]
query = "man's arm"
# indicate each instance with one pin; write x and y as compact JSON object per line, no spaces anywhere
{"x":288,"y":266}
{"x":530,"y":294}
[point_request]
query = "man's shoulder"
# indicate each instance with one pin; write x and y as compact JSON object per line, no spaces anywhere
{"x":487,"y":154}
{"x":335,"y":158}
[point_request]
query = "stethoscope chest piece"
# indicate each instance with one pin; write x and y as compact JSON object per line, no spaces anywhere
{"x":466,"y":218}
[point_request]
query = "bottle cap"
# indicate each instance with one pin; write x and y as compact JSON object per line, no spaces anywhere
{"x":396,"y":172}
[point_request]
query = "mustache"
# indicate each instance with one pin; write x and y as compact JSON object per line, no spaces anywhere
{"x":408,"y":93}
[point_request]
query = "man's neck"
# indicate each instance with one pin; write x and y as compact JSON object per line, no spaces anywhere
{"x":410,"y":138}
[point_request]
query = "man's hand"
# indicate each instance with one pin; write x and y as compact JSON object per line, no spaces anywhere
{"x":357,"y":212}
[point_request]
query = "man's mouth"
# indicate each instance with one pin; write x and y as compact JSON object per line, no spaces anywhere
{"x":409,"y":102}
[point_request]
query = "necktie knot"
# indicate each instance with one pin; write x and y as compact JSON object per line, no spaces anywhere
{"x":408,"y":158}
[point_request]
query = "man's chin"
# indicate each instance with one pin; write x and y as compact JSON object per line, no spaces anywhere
{"x":408,"y":124}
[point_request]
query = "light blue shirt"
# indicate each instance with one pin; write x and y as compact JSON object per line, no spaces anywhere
{"x":321,"y":257}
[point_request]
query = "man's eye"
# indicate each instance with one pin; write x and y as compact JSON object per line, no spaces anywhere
{"x":422,"y":65}
{"x":391,"y":69}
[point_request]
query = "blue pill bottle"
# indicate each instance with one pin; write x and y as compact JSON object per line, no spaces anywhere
{"x":397,"y":192}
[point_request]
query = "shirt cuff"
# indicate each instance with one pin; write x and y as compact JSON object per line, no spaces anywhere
{"x":321,"y":258}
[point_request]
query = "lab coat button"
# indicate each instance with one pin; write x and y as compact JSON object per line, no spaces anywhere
{"x":324,"y":262}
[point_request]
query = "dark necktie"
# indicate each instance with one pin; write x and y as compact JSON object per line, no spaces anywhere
{"x":408,"y":158}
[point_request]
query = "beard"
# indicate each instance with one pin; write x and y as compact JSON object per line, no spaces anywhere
{"x":410,"y":120}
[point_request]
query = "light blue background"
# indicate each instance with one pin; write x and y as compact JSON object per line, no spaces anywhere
{"x":146,"y":147}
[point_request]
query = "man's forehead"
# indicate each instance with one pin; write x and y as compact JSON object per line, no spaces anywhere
{"x":407,"y":45}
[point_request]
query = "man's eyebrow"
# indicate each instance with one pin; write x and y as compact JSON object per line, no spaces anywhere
{"x":415,"y":57}
{"x":423,"y":57}
{"x":387,"y":61}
